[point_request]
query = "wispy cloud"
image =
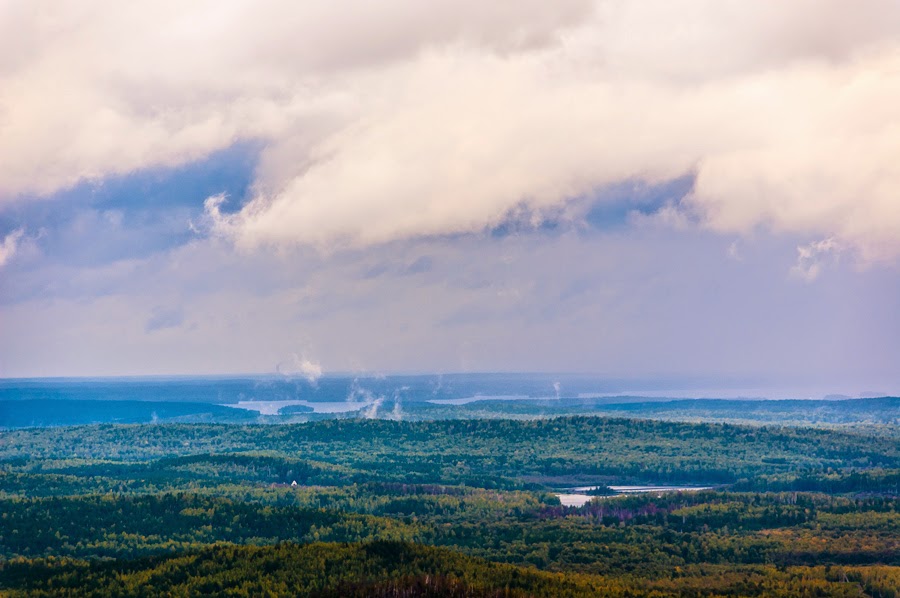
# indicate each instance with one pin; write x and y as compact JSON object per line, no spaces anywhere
{"x":9,"y":245}
{"x":162,"y":318}
{"x":812,"y":256}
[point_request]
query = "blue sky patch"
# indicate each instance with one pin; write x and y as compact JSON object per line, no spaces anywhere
{"x":135,"y":215}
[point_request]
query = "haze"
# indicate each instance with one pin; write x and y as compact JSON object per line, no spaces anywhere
{"x":665,"y":188}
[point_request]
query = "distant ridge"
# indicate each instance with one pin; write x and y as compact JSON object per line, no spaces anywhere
{"x":29,"y":413}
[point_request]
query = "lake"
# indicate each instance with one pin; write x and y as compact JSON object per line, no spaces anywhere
{"x":272,"y":407}
{"x":576,"y":498}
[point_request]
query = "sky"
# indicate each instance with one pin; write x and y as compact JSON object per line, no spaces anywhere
{"x":633,"y":189}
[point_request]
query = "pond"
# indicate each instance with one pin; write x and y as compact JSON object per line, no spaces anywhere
{"x":576,"y":497}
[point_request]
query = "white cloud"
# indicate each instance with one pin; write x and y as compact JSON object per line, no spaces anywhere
{"x":296,"y":365}
{"x":9,"y":246}
{"x":98,"y":87}
{"x":810,"y":257}
{"x":386,"y":121}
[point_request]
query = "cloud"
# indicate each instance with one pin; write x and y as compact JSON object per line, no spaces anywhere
{"x":810,"y":257}
{"x":162,"y":318}
{"x":796,"y":150}
{"x":421,"y":265}
{"x":405,"y":120}
{"x":295,"y":366}
{"x":9,"y":246}
{"x":103,"y":88}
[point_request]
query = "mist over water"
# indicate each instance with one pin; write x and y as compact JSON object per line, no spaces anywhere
{"x":303,"y":389}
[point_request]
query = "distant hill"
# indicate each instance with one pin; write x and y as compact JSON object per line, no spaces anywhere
{"x":59,"y":412}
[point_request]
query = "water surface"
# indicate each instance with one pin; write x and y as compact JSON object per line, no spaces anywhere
{"x":576,"y":497}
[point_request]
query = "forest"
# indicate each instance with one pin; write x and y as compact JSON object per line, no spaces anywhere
{"x":359,"y":507}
